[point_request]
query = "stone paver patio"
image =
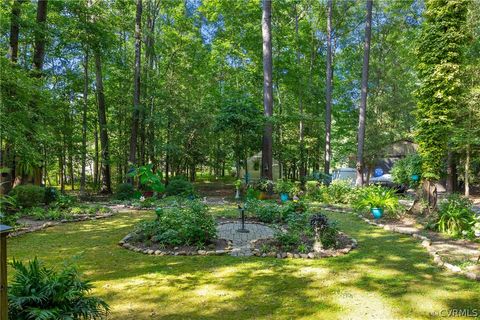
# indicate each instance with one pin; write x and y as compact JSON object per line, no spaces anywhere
{"x":241,"y":241}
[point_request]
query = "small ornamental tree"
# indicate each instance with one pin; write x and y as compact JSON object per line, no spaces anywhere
{"x":440,"y":50}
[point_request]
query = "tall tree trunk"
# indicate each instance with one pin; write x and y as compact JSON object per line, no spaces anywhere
{"x":300,"y":104}
{"x":363,"y":102}
{"x":84,"y":124}
{"x":96,"y":161}
{"x":467,"y":171}
{"x":450,"y":183}
{"x":102,"y":122}
{"x":267,"y":156}
{"x":328,"y":93}
{"x":40,"y":33}
{"x":15,"y":30}
{"x":136,"y":92}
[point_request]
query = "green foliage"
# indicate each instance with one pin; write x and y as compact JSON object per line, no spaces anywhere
{"x":456,"y":217}
{"x":180,"y":186}
{"x":284,"y":186}
{"x":124,"y":191}
{"x":37,"y":292}
{"x":28,"y":195}
{"x":265,"y":211}
{"x":51,"y":194}
{"x":327,"y":231}
{"x":377,"y":197}
{"x":146,"y":176}
{"x":440,"y":55}
{"x":191,"y":224}
{"x":263,"y":185}
{"x":403,"y":169}
{"x":338,"y":192}
{"x":65,"y":201}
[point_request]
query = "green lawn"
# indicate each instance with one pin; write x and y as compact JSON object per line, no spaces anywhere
{"x":389,"y":276}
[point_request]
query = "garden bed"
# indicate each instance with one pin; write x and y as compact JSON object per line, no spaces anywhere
{"x":216,"y":247}
{"x":272,"y":248}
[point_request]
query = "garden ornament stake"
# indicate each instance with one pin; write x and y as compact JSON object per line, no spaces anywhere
{"x":4,"y":230}
{"x":242,"y":212}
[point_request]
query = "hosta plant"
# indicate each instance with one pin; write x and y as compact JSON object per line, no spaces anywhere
{"x":456,"y":217}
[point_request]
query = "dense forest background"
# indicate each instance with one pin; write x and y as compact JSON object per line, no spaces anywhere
{"x":90,"y":87}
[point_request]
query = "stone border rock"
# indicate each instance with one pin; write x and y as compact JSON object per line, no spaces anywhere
{"x":310,"y":255}
{"x":426,"y":243}
{"x":124,"y":243}
{"x":56,"y":223}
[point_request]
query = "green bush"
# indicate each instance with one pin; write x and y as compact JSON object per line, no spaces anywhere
{"x":313,"y":190}
{"x":191,"y":224}
{"x":179,"y":186}
{"x":51,"y":194}
{"x":338,"y":192}
{"x":456,"y":217}
{"x":284,"y":186}
{"x":29,"y":195}
{"x":377,"y":197}
{"x":405,"y":168}
{"x":37,"y":292}
{"x":65,"y":201}
{"x":124,"y":191}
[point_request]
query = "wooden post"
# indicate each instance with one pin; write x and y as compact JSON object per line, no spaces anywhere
{"x":4,"y":230}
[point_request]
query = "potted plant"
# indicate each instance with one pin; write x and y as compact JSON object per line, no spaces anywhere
{"x":283,"y":188}
{"x":377,"y":199}
{"x":264,"y":186}
{"x":238,"y":184}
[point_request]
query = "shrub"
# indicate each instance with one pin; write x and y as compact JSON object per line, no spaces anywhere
{"x":151,"y":180}
{"x":264,"y":185}
{"x":37,"y":292}
{"x":188,"y":225}
{"x":456,"y":217}
{"x":377,"y":197}
{"x":180,"y":186}
{"x":51,"y":195}
{"x":338,"y":192}
{"x":283,"y":186}
{"x":64,"y":201}
{"x":124,"y":191}
{"x":405,"y":168}
{"x":29,"y":195}
{"x":313,"y":190}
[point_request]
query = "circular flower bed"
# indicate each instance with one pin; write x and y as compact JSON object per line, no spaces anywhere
{"x":187,"y":229}
{"x":305,"y":236}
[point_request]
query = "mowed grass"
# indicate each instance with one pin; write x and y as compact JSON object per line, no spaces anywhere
{"x":389,"y":276}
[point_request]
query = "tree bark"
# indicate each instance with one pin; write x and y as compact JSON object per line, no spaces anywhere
{"x":15,"y":30}
{"x":364,"y":93}
{"x":300,"y":105}
{"x":40,"y":33}
{"x":102,"y":122}
{"x":84,"y":124}
{"x":96,"y":177}
{"x":267,"y":156}
{"x":328,"y":93}
{"x":467,"y":171}
{"x":136,"y":92}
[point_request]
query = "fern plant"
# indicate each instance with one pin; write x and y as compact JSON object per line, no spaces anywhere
{"x":455,"y":216}
{"x":37,"y":292}
{"x":377,"y":197}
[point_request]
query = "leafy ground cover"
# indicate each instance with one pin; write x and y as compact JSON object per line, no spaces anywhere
{"x":389,"y":276}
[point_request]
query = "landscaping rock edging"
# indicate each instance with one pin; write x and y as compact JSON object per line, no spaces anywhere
{"x":124,"y":243}
{"x":426,"y":243}
{"x":309,"y":255}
